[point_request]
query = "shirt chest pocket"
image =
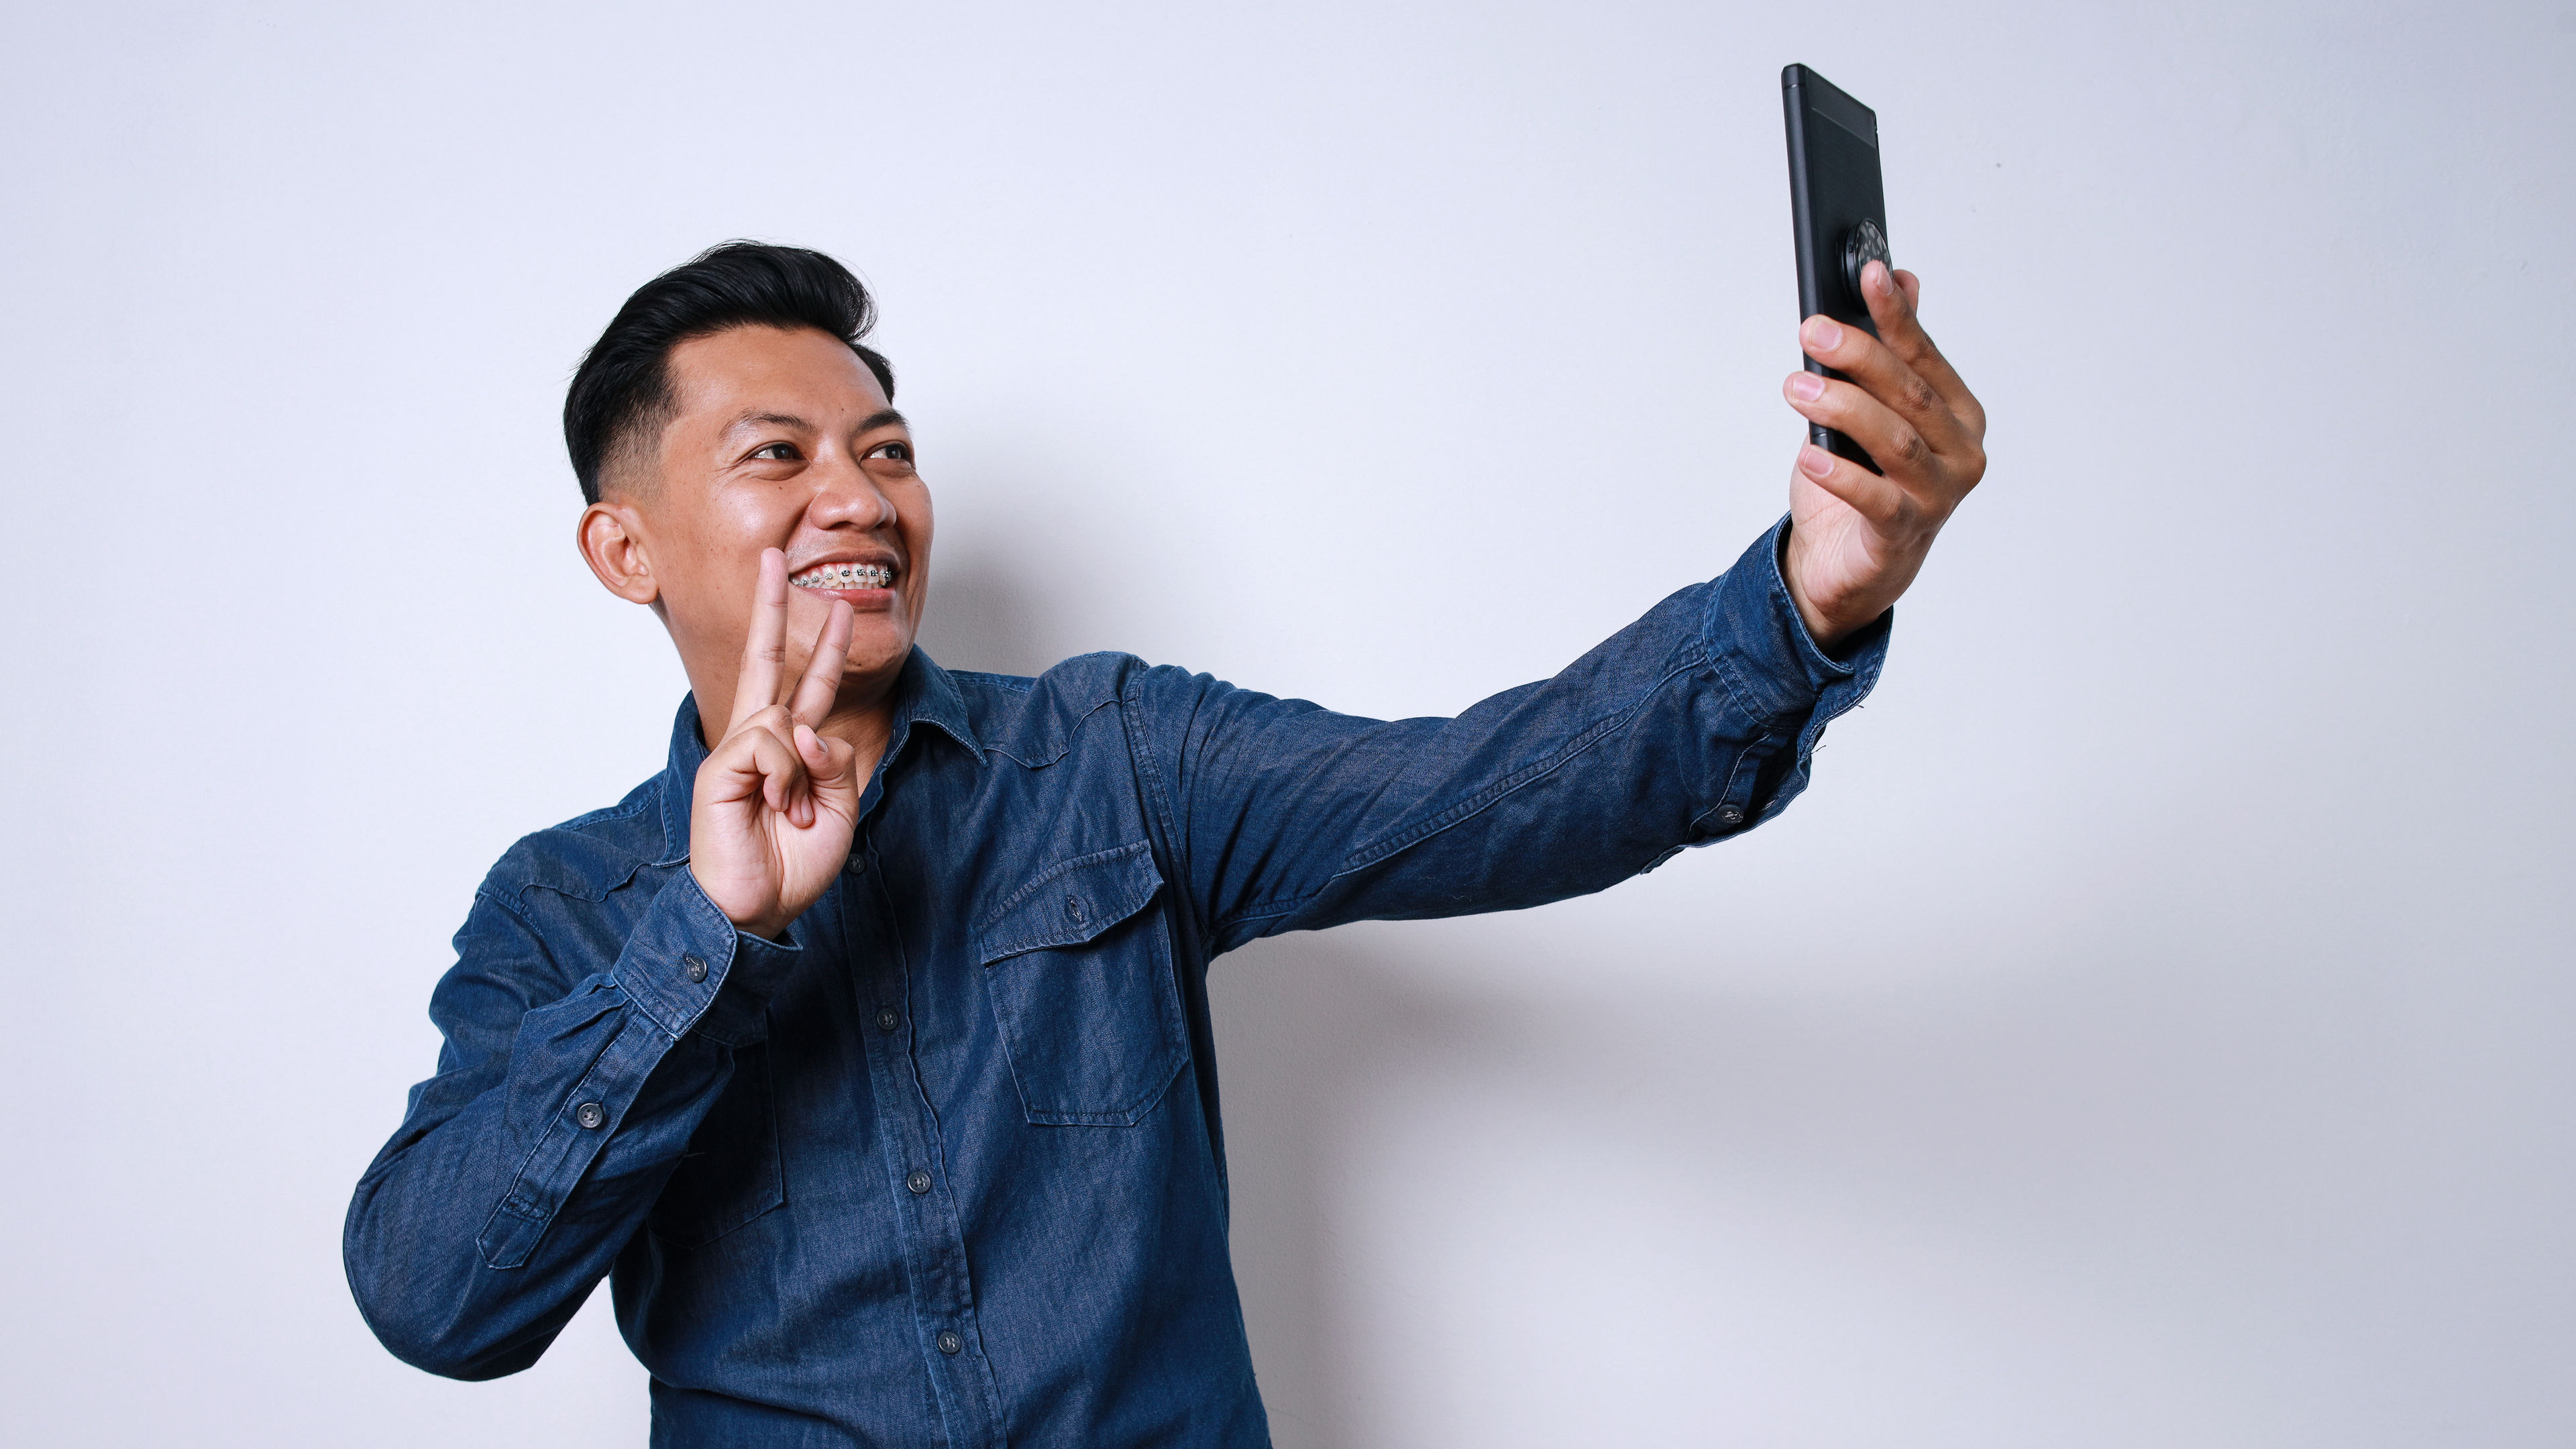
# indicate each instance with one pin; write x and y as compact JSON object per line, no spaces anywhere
{"x":1080,"y":975}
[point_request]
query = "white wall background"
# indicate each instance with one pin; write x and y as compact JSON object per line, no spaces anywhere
{"x":2153,"y":1029}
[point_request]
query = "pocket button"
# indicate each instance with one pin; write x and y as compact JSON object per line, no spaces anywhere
{"x":1073,"y":907}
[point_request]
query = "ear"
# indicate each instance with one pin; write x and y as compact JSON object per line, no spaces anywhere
{"x":611,"y":539}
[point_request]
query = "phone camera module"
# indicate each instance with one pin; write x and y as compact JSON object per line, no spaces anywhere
{"x":1865,"y":244}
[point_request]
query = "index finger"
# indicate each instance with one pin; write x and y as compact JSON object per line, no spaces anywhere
{"x":764,"y":648}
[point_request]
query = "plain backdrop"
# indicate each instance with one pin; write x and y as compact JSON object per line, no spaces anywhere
{"x":2153,"y":1028}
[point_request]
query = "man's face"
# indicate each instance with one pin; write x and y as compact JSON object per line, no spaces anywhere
{"x":780,"y":439}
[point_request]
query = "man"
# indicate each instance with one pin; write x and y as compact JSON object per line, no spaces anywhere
{"x":866,"y":1046}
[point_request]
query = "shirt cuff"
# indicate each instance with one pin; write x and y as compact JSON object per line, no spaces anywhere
{"x":690,"y":969}
{"x":1761,"y":646}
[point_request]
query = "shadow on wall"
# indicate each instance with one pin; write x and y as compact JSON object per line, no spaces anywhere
{"x":1310,"y":1037}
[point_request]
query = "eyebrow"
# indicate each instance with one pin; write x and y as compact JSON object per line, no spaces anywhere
{"x":883,"y":417}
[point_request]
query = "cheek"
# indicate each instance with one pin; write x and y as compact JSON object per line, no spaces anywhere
{"x":917,"y":531}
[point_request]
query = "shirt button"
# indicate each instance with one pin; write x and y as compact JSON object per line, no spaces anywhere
{"x":693,"y":968}
{"x":919,"y":1182}
{"x":887,"y":1020}
{"x":950,"y":1343}
{"x":590,"y":1115}
{"x":1730,"y":815}
{"x":1073,"y":907}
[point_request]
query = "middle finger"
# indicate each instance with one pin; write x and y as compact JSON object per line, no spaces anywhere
{"x":822,"y":681}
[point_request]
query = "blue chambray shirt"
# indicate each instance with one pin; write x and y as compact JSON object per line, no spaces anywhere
{"x":945,"y":1167}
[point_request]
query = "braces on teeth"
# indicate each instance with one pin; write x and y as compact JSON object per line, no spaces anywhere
{"x":845,"y":576}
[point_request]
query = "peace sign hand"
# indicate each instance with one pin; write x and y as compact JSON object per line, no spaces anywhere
{"x":776,"y":803}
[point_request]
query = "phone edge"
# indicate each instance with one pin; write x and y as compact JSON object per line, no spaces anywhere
{"x":1810,"y":295}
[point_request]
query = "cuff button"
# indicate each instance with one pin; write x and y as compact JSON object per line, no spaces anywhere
{"x":693,"y":968}
{"x":1730,"y":816}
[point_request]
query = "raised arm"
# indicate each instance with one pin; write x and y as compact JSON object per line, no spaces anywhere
{"x":1691,"y":725}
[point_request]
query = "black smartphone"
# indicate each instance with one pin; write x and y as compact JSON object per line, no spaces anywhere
{"x":1839,"y":210}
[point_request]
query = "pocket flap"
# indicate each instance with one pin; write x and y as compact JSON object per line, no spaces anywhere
{"x":1072,"y":902}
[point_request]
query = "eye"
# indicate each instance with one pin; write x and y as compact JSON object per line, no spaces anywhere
{"x":776,"y":452}
{"x":900,"y":452}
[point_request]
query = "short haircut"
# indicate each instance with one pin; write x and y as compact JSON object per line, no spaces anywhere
{"x":621,"y":393}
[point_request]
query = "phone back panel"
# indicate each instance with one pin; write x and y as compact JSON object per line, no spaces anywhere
{"x":1834,"y":186}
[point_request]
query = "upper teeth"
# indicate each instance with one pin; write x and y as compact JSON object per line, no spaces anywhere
{"x":844,"y":576}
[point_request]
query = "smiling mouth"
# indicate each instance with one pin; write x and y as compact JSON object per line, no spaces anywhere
{"x":844,"y":576}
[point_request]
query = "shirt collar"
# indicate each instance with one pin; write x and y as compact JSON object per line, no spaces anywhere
{"x":924,"y":693}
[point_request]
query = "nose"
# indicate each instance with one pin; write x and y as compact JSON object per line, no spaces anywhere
{"x":846,"y":497}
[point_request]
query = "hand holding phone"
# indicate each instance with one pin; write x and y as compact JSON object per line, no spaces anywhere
{"x":1896,"y":438}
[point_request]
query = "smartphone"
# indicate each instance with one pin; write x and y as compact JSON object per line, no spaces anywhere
{"x":1839,"y":211}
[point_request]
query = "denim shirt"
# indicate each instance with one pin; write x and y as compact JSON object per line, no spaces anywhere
{"x":944,"y":1167}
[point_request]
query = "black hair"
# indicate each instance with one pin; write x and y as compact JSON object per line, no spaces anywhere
{"x":623,"y":386}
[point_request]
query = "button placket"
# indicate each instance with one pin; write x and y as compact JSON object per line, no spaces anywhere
{"x":934,"y":1246}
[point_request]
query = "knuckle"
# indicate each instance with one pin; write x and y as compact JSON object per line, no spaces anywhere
{"x":1908,"y":448}
{"x":1916,"y":396}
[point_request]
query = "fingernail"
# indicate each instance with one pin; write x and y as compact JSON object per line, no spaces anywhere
{"x":1807,"y":385}
{"x":1823,"y":335}
{"x":1815,"y":462}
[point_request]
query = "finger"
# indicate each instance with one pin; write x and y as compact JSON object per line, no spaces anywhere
{"x":1898,"y":448}
{"x":777,"y":724}
{"x":832,"y":766}
{"x":1871,"y":496}
{"x":822,"y":681}
{"x":1876,"y":369}
{"x":756,"y":763}
{"x":1893,"y":297}
{"x":764,"y":647}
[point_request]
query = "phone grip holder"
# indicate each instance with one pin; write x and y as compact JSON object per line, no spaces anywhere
{"x":1865,"y":244}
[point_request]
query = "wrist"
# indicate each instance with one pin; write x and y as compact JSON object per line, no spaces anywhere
{"x":1832,"y":604}
{"x":768,"y":924}
{"x":1824,"y":626}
